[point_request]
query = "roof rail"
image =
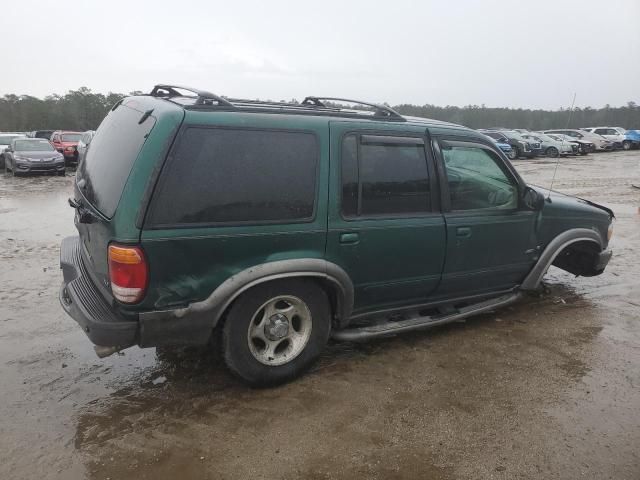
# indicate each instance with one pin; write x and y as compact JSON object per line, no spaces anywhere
{"x":168,"y":91}
{"x":379,"y":110}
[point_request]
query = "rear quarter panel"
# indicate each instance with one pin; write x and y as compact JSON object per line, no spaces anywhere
{"x":187,"y":264}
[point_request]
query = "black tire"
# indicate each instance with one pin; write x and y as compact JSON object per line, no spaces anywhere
{"x":513,"y":154}
{"x":3,"y":163}
{"x":235,"y":332}
{"x":552,"y":152}
{"x":626,"y":145}
{"x":517,"y":153}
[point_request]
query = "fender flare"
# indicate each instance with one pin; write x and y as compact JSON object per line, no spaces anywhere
{"x":210,"y":310}
{"x":553,"y":249}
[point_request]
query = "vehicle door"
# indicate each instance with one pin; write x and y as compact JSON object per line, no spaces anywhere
{"x":491,"y":241}
{"x":385,"y":229}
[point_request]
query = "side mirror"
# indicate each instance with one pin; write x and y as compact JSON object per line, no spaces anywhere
{"x":533,"y":199}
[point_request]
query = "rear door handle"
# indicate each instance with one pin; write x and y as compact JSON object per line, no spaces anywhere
{"x":349,"y":238}
{"x":463,"y":232}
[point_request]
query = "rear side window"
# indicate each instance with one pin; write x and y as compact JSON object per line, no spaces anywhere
{"x":107,"y":164}
{"x":218,"y":175}
{"x":384,"y":176}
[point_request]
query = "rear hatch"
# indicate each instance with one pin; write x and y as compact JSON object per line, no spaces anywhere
{"x":100,"y":181}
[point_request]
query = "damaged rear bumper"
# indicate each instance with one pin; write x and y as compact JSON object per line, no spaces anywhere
{"x":106,"y":327}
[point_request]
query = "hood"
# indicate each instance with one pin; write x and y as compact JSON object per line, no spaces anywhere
{"x":563,"y":200}
{"x":38,"y":155}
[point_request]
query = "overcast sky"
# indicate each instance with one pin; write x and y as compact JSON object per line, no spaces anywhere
{"x":497,"y":52}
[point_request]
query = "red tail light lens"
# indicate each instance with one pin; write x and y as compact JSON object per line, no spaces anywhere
{"x":128,"y":272}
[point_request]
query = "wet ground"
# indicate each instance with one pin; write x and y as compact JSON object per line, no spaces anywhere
{"x":548,"y":388}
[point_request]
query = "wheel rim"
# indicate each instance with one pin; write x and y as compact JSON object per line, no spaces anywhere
{"x":279,"y":330}
{"x":626,"y":146}
{"x":552,"y":152}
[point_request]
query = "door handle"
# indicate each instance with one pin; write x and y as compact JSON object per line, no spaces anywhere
{"x":349,"y":238}
{"x":463,"y":232}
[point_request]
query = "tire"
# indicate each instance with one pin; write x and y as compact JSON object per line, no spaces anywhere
{"x":261,"y":356}
{"x":3,"y":163}
{"x":552,"y":152}
{"x":516,"y":153}
{"x":626,"y":145}
{"x":513,"y":154}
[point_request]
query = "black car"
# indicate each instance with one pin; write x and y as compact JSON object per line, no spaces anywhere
{"x":32,"y":155}
{"x":41,"y":134}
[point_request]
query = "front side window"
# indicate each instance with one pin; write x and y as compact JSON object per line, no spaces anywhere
{"x":476,"y":180}
{"x":218,"y":175}
{"x":384,"y":176}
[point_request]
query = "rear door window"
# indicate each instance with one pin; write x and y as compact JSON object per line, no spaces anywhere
{"x":384,"y":176}
{"x":104,"y":171}
{"x":237,"y":176}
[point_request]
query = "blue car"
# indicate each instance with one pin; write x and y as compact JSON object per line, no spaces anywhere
{"x":505,"y":147}
{"x":631,"y":139}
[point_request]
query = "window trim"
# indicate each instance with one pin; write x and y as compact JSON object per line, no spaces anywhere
{"x":406,"y":138}
{"x":507,"y":169}
{"x":162,"y":175}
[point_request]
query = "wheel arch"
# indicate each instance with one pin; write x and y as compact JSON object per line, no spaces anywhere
{"x":558,"y":245}
{"x":332,"y":278}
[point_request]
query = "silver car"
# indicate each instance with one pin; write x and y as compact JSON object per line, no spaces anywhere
{"x":550,"y":146}
{"x":600,"y":142}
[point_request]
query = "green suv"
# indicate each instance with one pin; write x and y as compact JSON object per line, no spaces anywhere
{"x":280,"y":225}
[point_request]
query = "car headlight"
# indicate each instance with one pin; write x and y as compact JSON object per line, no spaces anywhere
{"x":20,"y":158}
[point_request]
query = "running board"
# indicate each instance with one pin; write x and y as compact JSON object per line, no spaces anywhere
{"x":417,"y":323}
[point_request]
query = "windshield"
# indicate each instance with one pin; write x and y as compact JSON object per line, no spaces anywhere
{"x":33,"y":146}
{"x":71,"y":137}
{"x":6,"y":139}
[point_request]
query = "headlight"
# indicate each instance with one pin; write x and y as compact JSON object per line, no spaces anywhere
{"x":21,"y":159}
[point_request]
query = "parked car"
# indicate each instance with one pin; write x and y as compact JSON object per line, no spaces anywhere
{"x":83,"y":144}
{"x":550,"y":146}
{"x":503,"y":145}
{"x":41,"y":134}
{"x":600,"y":142}
{"x":5,"y":141}
{"x":610,"y":133}
{"x":632,"y":139}
{"x":521,"y":147}
{"x":280,"y":225}
{"x":32,"y":155}
{"x":584,"y":147}
{"x":66,"y":142}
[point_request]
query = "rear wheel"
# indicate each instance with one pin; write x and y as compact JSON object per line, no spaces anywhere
{"x":512,"y":154}
{"x":552,"y":152}
{"x":626,"y":145}
{"x":274,"y":332}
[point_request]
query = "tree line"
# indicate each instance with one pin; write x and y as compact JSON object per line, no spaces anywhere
{"x":83,"y":109}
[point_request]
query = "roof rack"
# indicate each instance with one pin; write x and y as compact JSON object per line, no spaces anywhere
{"x":379,"y":110}
{"x":203,"y":97}
{"x":309,"y":106}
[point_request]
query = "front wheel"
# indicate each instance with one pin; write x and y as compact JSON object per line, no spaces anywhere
{"x":274,"y":332}
{"x":552,"y":152}
{"x":512,"y":154}
{"x":626,"y":145}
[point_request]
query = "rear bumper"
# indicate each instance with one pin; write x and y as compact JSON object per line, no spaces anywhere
{"x":84,"y":303}
{"x":105,"y":326}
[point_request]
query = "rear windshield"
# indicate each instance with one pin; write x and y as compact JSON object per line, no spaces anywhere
{"x":105,"y":169}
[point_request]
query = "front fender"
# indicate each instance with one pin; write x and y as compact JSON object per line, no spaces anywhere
{"x":553,"y":249}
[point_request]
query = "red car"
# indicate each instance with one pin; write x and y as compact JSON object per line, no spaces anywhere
{"x":66,"y":143}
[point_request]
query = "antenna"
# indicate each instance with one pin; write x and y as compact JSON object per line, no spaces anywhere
{"x":561,"y":143}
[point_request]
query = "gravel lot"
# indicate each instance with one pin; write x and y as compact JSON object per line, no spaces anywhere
{"x":548,"y":388}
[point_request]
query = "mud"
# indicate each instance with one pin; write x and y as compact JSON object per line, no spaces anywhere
{"x":548,"y":388}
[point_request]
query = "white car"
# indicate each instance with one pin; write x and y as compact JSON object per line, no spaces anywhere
{"x":599,"y":141}
{"x":616,"y":135}
{"x":5,"y":141}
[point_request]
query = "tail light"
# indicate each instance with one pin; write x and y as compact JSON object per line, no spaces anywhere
{"x":128,"y":272}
